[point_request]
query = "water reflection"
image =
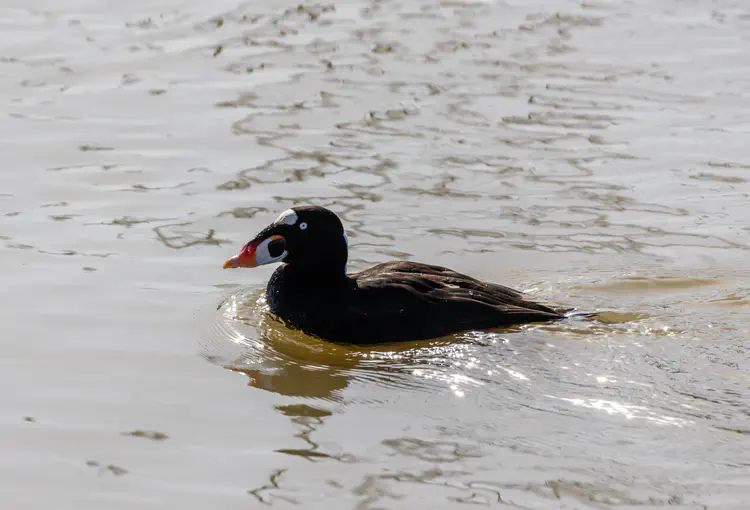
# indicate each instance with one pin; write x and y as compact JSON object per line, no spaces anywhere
{"x":536,"y":362}
{"x":308,"y":418}
{"x":244,"y":338}
{"x":176,"y":237}
{"x":295,"y":380}
{"x":268,"y":492}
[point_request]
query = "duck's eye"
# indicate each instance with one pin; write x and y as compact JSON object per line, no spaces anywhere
{"x":303,"y":226}
{"x":276,"y":247}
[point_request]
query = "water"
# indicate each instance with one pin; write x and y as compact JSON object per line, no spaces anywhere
{"x":590,"y":153}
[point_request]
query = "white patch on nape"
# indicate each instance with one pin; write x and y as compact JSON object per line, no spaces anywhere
{"x":288,"y":217}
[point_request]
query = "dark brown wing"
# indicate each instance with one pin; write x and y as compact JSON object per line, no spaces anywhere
{"x":410,"y":300}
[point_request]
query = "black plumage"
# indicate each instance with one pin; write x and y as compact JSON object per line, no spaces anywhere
{"x":394,"y":301}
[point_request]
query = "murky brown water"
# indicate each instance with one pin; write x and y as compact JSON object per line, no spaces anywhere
{"x":592,"y":153}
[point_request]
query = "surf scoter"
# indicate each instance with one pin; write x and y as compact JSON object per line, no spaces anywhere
{"x":394,"y":301}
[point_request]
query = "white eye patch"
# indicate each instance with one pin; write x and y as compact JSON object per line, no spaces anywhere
{"x":303,"y":226}
{"x":288,"y":217}
{"x":263,"y":252}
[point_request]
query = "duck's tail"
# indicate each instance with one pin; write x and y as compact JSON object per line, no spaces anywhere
{"x":572,"y":313}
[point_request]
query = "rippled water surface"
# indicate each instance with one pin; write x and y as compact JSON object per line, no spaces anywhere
{"x":591,"y":153}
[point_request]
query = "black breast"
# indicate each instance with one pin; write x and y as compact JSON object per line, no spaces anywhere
{"x":311,"y":302}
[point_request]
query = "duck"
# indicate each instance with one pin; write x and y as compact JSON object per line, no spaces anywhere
{"x":391,"y":302}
